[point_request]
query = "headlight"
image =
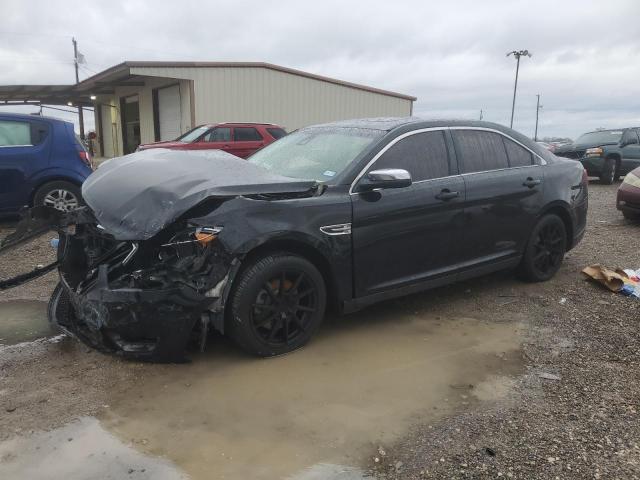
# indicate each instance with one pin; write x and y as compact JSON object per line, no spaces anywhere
{"x":594,"y":152}
{"x":632,"y":180}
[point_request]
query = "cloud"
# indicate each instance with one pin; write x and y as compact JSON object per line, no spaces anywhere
{"x":586,"y":54}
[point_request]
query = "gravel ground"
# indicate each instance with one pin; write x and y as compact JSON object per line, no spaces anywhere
{"x":581,"y":424}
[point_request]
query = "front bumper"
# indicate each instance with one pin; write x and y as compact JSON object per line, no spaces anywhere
{"x":628,"y":199}
{"x":154,"y":325}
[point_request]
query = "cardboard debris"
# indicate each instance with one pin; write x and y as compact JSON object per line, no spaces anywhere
{"x":618,"y":280}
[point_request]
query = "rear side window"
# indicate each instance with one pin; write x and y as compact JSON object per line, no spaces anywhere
{"x":13,"y":133}
{"x":480,"y":151}
{"x":220,"y":134}
{"x":629,"y":138}
{"x":246,"y":134}
{"x":518,"y":155}
{"x":276,"y":132}
{"x":423,"y":155}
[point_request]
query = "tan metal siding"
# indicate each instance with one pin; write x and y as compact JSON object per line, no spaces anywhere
{"x":264,"y":95}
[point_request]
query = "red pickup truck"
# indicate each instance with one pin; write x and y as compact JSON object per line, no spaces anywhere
{"x":239,"y":139}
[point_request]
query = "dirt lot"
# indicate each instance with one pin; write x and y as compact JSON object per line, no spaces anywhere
{"x":444,"y":384}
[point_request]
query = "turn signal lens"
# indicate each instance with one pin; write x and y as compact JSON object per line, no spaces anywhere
{"x":594,"y":152}
{"x":206,"y":235}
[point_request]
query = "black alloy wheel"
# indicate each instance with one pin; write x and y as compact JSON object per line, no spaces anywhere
{"x":545,"y":250}
{"x":277,"y":305}
{"x":283,"y":308}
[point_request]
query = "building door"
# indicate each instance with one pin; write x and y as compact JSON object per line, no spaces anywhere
{"x":169,"y":113}
{"x":130,"y":113}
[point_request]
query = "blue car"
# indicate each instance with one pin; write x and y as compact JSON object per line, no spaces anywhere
{"x":42,"y":162}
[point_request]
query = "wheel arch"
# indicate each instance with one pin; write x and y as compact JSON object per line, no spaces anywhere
{"x":561,"y":210}
{"x":43,"y":181}
{"x":297,"y":247}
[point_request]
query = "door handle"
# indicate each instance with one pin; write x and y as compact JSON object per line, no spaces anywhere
{"x":530,"y":182}
{"x":447,"y":194}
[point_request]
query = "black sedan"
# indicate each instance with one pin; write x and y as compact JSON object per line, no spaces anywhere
{"x":174,"y":244}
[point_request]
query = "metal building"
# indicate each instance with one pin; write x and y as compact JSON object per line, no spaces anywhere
{"x":141,"y":102}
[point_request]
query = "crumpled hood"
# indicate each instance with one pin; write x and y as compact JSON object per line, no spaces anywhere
{"x":135,"y":196}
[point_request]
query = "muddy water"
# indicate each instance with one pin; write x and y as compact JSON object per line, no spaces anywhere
{"x":361,"y":383}
{"x":23,"y":321}
{"x":79,"y":451}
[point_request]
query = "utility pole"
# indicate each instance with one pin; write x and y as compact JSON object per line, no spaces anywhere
{"x":538,"y":107}
{"x":75,"y":63}
{"x":517,"y":54}
{"x":480,"y":114}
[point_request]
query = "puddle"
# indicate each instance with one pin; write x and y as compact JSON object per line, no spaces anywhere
{"x":23,"y":321}
{"x":363,"y":382}
{"x":81,"y":450}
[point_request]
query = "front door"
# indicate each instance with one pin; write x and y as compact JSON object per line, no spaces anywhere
{"x":218,"y":138}
{"x":504,"y":195}
{"x":23,"y":152}
{"x":630,"y":151}
{"x":406,"y":235}
{"x":246,"y":140}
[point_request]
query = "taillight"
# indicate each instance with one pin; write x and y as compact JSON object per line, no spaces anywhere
{"x":585,"y":177}
{"x":85,"y":157}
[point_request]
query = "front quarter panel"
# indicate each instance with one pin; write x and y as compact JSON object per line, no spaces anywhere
{"x":249,"y":223}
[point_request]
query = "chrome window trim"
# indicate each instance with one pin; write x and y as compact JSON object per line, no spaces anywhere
{"x":13,"y":146}
{"x":387,"y":147}
{"x":435,"y":129}
{"x":485,"y":129}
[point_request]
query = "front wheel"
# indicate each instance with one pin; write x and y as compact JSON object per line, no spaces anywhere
{"x":609,"y":172}
{"x":277,"y":305}
{"x":545,"y":250}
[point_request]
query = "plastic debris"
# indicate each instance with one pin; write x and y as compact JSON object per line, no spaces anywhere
{"x":549,"y":376}
{"x":625,"y":281}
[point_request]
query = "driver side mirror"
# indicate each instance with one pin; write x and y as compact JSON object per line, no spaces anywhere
{"x":385,"y":178}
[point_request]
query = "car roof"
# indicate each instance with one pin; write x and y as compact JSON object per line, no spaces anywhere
{"x":26,"y":116}
{"x":211,"y":125}
{"x":611,"y":130}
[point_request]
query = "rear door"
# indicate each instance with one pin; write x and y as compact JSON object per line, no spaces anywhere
{"x":407,"y":235}
{"x":246,"y":140}
{"x":504,"y":195}
{"x":630,"y":151}
{"x":23,"y":152}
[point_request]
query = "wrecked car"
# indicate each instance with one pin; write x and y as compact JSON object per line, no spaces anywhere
{"x":172,"y":245}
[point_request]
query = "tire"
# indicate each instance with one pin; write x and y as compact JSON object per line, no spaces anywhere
{"x":633,"y":217}
{"x":59,"y":307}
{"x":266,"y":320}
{"x":61,"y":195}
{"x":609,"y":172}
{"x":545,"y":249}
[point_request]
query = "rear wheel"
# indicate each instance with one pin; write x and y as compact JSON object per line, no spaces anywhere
{"x":609,"y":172}
{"x":61,"y":195}
{"x":277,"y":305}
{"x":545,"y":249}
{"x":634,"y":217}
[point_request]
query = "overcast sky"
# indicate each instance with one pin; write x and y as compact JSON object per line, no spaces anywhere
{"x":450,"y":54}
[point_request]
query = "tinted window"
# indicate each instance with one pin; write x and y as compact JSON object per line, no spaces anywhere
{"x":518,"y":155}
{"x":423,"y":155}
{"x":220,"y":134}
{"x":14,"y":133}
{"x":246,"y":134}
{"x":480,"y":151}
{"x":629,"y":137}
{"x":276,"y":132}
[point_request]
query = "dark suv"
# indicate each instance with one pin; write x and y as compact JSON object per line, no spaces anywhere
{"x":42,"y":162}
{"x":606,"y":153}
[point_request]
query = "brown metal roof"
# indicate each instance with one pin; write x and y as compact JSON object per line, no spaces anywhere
{"x":121,"y":72}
